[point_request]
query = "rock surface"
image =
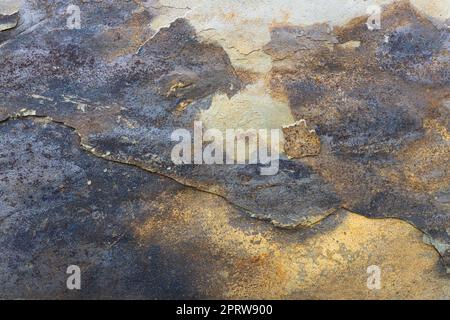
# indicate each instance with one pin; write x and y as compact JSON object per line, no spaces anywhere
{"x":87,"y":177}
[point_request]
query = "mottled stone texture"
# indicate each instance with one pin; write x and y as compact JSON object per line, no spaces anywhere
{"x":87,"y":178}
{"x":381,"y":110}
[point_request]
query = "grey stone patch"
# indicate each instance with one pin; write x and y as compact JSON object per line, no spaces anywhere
{"x":296,"y":196}
{"x":417,"y":53}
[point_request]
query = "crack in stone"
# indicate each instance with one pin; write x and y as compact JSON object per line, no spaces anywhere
{"x":91,"y":151}
{"x":253,"y":215}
